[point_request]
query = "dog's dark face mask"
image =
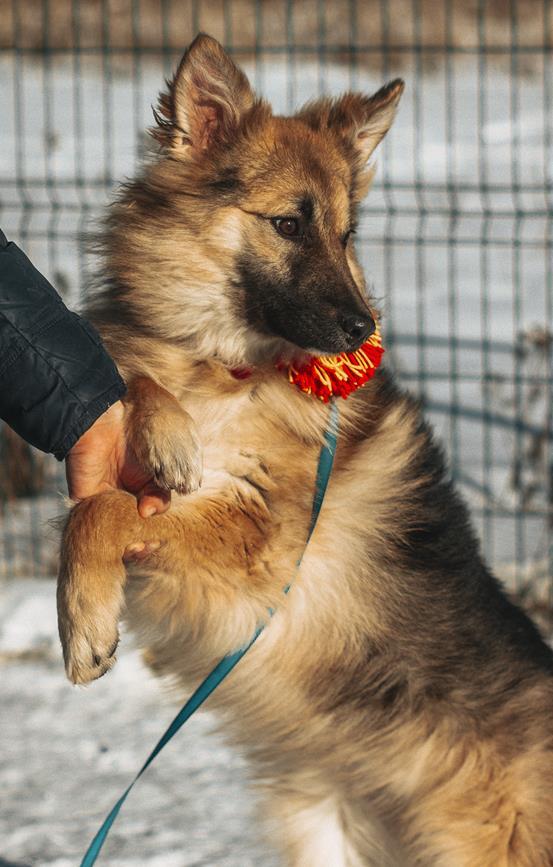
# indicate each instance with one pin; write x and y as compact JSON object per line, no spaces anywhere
{"x":296,"y":268}
{"x":314,"y":303}
{"x":303,"y":288}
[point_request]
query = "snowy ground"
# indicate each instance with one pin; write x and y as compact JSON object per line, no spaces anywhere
{"x":68,"y":753}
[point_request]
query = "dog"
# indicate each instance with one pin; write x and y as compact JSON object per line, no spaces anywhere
{"x":399,"y":708}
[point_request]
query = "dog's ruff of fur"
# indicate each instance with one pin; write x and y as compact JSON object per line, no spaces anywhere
{"x":399,"y":709}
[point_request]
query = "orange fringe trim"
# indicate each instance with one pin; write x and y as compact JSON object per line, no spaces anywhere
{"x":338,"y":375}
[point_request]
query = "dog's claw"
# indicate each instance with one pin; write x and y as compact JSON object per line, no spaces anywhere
{"x":173,"y":456}
{"x":85,"y":657}
{"x":183,"y":473}
{"x":89,"y":634}
{"x":100,"y":668}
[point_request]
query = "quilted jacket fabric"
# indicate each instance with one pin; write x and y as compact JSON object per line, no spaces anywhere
{"x":56,"y":377}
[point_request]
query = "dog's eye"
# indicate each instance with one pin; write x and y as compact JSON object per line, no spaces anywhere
{"x":288,"y":227}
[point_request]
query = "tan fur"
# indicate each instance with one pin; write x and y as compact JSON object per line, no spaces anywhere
{"x":347,"y":783}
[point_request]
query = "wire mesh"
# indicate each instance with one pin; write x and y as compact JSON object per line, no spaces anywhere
{"x":456,"y":235}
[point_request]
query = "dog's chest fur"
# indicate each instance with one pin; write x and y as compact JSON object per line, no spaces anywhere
{"x":242,"y":430}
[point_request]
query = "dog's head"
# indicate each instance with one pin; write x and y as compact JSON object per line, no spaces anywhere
{"x":248,"y":217}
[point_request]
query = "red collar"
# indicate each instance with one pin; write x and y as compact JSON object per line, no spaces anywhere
{"x":329,"y":376}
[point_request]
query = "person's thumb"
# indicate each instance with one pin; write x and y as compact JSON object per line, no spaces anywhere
{"x":153,"y":500}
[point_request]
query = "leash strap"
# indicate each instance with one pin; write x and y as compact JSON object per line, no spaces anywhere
{"x":225,"y":666}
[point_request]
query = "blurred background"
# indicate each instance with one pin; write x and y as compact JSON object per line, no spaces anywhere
{"x":456,"y":237}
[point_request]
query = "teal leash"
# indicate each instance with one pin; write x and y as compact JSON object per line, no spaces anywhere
{"x":225,"y":666}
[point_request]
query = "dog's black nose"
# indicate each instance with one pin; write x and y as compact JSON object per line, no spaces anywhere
{"x":358,"y":328}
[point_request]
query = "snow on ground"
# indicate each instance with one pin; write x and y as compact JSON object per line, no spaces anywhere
{"x":68,"y":753}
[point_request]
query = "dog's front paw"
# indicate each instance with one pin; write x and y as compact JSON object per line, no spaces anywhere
{"x":88,"y":626}
{"x":163,"y":437}
{"x":170,"y":449}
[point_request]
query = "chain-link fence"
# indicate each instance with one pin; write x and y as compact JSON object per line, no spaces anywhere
{"x":456,"y":235}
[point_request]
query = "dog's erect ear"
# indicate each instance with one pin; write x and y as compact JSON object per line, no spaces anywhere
{"x":206,"y":100}
{"x":361,"y":121}
{"x":365,"y":120}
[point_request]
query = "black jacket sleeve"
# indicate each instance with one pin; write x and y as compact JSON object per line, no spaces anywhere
{"x":56,"y":377}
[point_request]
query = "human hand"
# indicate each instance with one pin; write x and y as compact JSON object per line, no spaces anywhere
{"x":102,"y":460}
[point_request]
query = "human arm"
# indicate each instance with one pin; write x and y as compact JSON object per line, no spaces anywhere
{"x":59,"y":388}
